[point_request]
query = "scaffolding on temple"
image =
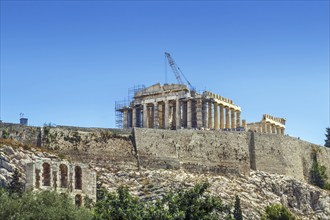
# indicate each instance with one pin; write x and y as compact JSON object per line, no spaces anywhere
{"x":126,"y":103}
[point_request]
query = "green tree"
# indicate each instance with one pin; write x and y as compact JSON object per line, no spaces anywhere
{"x":190,"y":204}
{"x":119,"y":206}
{"x":327,"y":135}
{"x":318,"y":175}
{"x":15,"y":186}
{"x":278,"y":212}
{"x":237,"y":210}
{"x":40,"y":205}
{"x":196,"y":204}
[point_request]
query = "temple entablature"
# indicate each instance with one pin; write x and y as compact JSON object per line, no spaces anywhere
{"x":272,"y":119}
{"x":221,"y":100}
{"x":159,"y":90}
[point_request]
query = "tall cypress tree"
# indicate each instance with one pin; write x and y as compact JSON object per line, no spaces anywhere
{"x":15,"y":185}
{"x":327,"y":140}
{"x":238,"y":210}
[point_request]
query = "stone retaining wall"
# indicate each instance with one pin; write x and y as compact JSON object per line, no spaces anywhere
{"x":192,"y":150}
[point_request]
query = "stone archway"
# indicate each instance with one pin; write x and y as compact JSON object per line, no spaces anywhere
{"x":46,"y":174}
{"x":64,"y":176}
{"x":78,"y":177}
{"x":78,"y":200}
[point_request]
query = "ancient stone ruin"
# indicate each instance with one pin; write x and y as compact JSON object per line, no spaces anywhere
{"x":175,"y":106}
{"x":76,"y":179}
{"x":268,"y":124}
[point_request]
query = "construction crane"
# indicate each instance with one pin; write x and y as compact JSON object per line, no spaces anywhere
{"x":177,"y":72}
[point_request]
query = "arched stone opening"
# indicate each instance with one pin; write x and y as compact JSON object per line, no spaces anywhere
{"x":64,"y":176}
{"x":46,"y":174}
{"x":78,"y":177}
{"x":78,"y":200}
{"x":37,"y":183}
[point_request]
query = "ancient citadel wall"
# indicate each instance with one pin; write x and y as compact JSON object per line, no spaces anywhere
{"x":25,"y":134}
{"x":107,"y":146}
{"x":195,"y":151}
{"x":287,"y":155}
{"x":192,"y":150}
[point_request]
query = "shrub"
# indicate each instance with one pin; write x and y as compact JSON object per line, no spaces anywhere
{"x":278,"y":212}
{"x":182,"y":204}
{"x":40,"y":205}
{"x":318,"y":175}
{"x":5,"y":134}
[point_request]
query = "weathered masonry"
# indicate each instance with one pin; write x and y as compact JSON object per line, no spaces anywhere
{"x":268,"y":124}
{"x":75,"y":179}
{"x":174,"y":106}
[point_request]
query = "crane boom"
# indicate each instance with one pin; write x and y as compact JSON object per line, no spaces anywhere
{"x":177,"y":72}
{"x":174,"y":67}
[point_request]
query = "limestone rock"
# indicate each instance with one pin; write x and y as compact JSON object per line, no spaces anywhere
{"x":7,"y":150}
{"x":8,"y":166}
{"x":3,"y":181}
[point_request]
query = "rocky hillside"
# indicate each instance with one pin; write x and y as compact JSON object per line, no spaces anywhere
{"x":256,"y":191}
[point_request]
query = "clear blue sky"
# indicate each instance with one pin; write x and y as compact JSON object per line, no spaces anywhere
{"x":67,"y":62}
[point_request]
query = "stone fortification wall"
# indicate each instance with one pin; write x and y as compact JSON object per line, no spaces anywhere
{"x":107,"y":145}
{"x":228,"y":152}
{"x":25,"y":134}
{"x":192,"y":150}
{"x":287,"y":155}
{"x":195,"y":151}
{"x":100,"y":145}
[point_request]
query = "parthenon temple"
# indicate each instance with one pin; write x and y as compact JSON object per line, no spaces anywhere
{"x":175,"y":106}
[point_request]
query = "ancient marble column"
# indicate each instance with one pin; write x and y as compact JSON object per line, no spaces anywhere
{"x":184,"y":114}
{"x":233,"y":119}
{"x":210,"y":119}
{"x":189,"y":114}
{"x":268,"y":127}
{"x":166,"y":119}
{"x":264,"y":127}
{"x":216,"y":113}
{"x":278,"y":129}
{"x":133,"y":117}
{"x":273,"y":129}
{"x":199,"y":112}
{"x":156,"y":117}
{"x":238,"y":119}
{"x":227,"y":118}
{"x":204,"y":113}
{"x":177,"y":114}
{"x":145,"y":116}
{"x":222,"y":121}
